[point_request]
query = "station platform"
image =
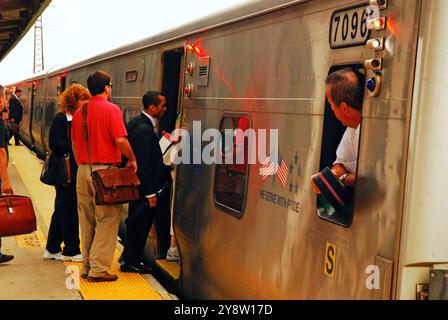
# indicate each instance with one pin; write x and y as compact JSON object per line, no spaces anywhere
{"x":30,"y":277}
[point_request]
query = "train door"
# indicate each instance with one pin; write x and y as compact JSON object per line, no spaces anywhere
{"x":51,"y":107}
{"x":28,"y":101}
{"x":33,"y":109}
{"x":37,"y":116}
{"x":172,"y":84}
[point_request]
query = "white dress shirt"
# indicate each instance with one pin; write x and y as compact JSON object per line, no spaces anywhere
{"x":153,"y":121}
{"x":347,"y":153}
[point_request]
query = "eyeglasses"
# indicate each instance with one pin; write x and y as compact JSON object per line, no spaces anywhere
{"x":110,"y":85}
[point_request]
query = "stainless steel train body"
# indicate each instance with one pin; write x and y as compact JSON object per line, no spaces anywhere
{"x":266,"y":62}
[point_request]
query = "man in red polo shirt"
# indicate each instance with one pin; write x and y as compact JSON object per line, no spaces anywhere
{"x":108,"y":141}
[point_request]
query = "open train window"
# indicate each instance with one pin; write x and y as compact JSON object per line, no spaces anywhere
{"x":336,"y":203}
{"x":231,"y":177}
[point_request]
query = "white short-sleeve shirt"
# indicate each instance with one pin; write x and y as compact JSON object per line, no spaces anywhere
{"x":347,"y":153}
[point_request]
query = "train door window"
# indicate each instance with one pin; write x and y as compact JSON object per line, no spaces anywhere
{"x":50,"y":112}
{"x":131,"y":112}
{"x":336,"y":201}
{"x":38,"y":114}
{"x":231,"y":177}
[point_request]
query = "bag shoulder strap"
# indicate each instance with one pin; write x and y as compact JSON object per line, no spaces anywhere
{"x":86,"y":135}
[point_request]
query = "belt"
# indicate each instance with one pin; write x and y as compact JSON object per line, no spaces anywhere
{"x":102,"y":164}
{"x":105,"y":164}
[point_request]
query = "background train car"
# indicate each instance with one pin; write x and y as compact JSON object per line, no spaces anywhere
{"x":265,"y":63}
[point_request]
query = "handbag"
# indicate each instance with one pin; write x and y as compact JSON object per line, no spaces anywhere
{"x":56,"y":170}
{"x":17,"y":216}
{"x":113,"y":185}
{"x":12,"y":126}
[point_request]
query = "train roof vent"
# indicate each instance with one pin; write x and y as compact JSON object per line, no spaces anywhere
{"x":204,"y":71}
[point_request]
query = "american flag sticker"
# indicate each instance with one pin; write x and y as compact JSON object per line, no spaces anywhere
{"x":271,"y":167}
{"x":283,"y":171}
{"x":268,"y":168}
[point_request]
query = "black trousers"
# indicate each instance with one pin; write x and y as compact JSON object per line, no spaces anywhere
{"x":15,"y":133}
{"x":138,"y":223}
{"x":64,"y":227}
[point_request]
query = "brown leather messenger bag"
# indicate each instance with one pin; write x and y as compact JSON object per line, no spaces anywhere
{"x":112,"y":185}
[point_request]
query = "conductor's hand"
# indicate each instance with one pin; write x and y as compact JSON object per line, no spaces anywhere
{"x":152,"y":202}
{"x":313,"y":185}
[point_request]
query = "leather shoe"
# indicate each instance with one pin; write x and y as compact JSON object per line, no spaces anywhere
{"x":106,"y":278}
{"x":140,"y":268}
{"x":5,"y":258}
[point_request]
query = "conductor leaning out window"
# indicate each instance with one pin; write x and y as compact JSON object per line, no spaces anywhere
{"x":342,"y":90}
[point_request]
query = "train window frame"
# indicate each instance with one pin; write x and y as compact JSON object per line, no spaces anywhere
{"x":223,"y":206}
{"x":61,"y":85}
{"x":343,"y":217}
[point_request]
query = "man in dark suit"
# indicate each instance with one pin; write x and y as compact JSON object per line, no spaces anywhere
{"x":152,"y":174}
{"x":15,"y":115}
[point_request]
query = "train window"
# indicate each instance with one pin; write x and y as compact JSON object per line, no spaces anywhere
{"x":131,"y":76}
{"x":61,"y":85}
{"x":340,"y":146}
{"x":231,"y":177}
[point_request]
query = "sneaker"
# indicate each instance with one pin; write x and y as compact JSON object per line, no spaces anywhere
{"x":77,"y":258}
{"x":51,"y":256}
{"x":173,"y":254}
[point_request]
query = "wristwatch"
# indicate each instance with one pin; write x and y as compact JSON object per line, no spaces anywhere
{"x":342,"y":178}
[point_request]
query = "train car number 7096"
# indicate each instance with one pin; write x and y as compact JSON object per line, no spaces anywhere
{"x":349,"y":27}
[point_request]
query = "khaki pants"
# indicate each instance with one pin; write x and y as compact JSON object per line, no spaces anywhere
{"x":99,"y":225}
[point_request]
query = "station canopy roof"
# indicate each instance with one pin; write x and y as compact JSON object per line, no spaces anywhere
{"x":16,"y":18}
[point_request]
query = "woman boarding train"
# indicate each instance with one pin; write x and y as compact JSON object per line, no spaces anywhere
{"x":64,"y":227}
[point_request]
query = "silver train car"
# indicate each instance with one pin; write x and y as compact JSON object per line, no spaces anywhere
{"x":264,"y":64}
